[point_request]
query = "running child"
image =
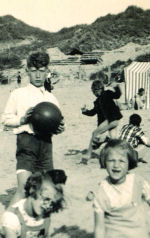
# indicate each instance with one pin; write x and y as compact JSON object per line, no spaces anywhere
{"x":108,"y":113}
{"x":118,"y":205}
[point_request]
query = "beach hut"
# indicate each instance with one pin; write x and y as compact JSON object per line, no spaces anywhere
{"x":137,"y":75}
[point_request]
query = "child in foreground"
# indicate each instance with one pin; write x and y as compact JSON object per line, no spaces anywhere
{"x":118,"y":205}
{"x":30,"y":217}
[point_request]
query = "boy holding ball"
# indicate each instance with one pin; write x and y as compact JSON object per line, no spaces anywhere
{"x":32,"y":153}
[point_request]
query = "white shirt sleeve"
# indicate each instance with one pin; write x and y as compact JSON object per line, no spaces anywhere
{"x":11,"y":221}
{"x":96,"y":206}
{"x":10,"y":117}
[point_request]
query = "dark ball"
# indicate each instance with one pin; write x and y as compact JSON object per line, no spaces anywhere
{"x":45,"y":118}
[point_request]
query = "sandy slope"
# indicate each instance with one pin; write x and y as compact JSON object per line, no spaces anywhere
{"x":77,"y":219}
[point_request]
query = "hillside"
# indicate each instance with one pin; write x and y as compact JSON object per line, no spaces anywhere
{"x":109,"y":32}
{"x":106,"y":33}
{"x":14,"y":29}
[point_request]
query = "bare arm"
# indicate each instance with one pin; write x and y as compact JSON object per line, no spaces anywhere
{"x":146,"y":192}
{"x":99,"y":225}
{"x":144,"y":139}
{"x":87,"y":112}
{"x":9,"y":233}
{"x":49,"y":228}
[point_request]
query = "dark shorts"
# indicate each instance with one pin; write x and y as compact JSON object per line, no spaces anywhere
{"x":33,"y":153}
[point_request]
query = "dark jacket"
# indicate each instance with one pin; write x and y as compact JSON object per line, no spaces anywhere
{"x":105,"y":108}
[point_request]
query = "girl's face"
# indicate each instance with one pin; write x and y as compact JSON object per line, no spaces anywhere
{"x":44,"y":200}
{"x":117,"y":165}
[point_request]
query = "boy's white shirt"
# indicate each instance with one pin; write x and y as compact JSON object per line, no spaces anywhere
{"x":10,"y":220}
{"x":20,"y":100}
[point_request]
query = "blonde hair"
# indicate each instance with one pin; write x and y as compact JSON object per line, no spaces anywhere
{"x":122,"y":145}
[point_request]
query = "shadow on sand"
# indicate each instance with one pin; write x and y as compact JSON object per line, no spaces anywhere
{"x":71,"y":232}
{"x":83,"y":152}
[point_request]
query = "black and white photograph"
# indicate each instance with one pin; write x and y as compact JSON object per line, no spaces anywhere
{"x":75,"y":119}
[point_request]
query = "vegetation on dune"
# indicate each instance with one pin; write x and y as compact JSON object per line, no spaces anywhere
{"x":9,"y":61}
{"x":14,"y":29}
{"x":109,"y":32}
{"x":143,"y":58}
{"x":106,"y":33}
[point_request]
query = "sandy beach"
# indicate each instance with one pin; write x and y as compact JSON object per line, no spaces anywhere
{"x":77,"y":219}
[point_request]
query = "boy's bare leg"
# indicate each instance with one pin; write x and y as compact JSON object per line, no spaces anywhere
{"x":21,"y":178}
{"x":102,"y":128}
{"x":88,"y":154}
{"x":113,"y":133}
{"x":106,"y":126}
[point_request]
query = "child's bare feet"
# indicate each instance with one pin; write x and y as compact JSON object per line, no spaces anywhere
{"x":85,"y":159}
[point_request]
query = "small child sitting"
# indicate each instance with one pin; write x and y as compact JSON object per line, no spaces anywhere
{"x":138,"y":101}
{"x":118,"y":205}
{"x":132,"y":132}
{"x":134,"y":135}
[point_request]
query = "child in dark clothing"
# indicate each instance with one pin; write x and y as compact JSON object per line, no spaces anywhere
{"x":108,"y":113}
{"x":18,"y":78}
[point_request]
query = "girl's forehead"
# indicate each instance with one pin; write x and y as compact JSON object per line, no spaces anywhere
{"x":117,"y":151}
{"x":48,"y":188}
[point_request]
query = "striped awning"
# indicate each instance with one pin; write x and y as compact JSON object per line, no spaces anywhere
{"x":137,"y":76}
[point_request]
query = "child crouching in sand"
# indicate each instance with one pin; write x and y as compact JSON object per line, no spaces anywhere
{"x":118,"y":205}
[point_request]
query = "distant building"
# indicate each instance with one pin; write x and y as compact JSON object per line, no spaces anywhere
{"x":91,"y":58}
{"x":75,"y":52}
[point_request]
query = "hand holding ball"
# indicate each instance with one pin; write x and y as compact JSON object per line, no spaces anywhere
{"x":45,"y":118}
